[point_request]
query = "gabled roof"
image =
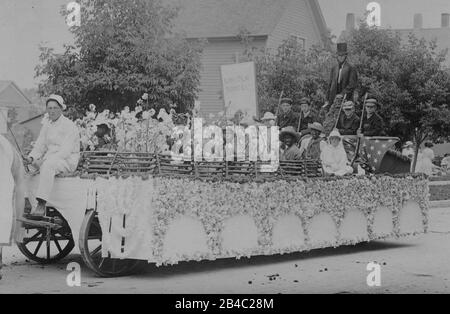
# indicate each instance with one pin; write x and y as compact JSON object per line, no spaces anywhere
{"x":228,"y":18}
{"x":4,"y":84}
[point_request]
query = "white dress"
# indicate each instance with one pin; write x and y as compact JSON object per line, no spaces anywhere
{"x":334,"y":159}
{"x":425,"y":161}
{"x":12,"y":192}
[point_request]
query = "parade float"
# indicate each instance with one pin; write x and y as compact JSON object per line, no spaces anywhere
{"x":132,"y":203}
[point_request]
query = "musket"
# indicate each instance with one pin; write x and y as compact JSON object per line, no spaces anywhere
{"x":340,"y":111}
{"x":359,"y":130}
{"x":279,"y":104}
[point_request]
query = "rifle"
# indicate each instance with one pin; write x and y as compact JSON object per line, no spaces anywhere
{"x":358,"y":145}
{"x":340,"y":110}
{"x":279,"y":104}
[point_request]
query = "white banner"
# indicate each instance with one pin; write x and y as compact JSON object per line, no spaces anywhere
{"x":239,"y":90}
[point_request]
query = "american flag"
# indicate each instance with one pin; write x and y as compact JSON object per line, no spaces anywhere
{"x":373,"y":149}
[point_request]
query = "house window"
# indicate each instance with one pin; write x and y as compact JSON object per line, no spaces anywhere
{"x":299,"y":39}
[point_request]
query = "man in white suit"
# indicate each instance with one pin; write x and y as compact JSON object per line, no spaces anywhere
{"x":57,"y":150}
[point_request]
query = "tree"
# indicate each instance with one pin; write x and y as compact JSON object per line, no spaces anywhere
{"x":410,"y":81}
{"x":293,"y":70}
{"x":408,"y":78}
{"x":123,"y":49}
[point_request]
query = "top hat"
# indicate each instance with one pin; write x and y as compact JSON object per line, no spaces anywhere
{"x":342,"y":49}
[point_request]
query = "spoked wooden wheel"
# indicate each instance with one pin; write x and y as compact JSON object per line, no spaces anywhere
{"x":91,"y":251}
{"x":47,"y":245}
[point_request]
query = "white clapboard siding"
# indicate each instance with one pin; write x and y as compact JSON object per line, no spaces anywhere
{"x":216,"y":53}
{"x":298,"y":20}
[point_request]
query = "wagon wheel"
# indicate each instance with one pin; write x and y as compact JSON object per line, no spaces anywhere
{"x":47,"y":245}
{"x":91,"y":251}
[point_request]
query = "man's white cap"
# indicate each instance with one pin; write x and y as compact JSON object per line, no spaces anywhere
{"x":58,"y":99}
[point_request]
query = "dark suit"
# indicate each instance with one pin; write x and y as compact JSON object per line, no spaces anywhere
{"x":347,"y":83}
{"x":374,"y":126}
{"x":348,"y":126}
{"x":305,"y":121}
{"x":288,"y":119}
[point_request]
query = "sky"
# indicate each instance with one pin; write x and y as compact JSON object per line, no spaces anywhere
{"x":25,"y":24}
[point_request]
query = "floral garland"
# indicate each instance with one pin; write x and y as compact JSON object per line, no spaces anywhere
{"x":131,"y":130}
{"x":214,"y":201}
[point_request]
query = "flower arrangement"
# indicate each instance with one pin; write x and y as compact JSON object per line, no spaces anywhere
{"x":213,"y":202}
{"x":135,"y":130}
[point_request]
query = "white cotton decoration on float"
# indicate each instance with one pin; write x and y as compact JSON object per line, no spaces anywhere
{"x":240,"y":235}
{"x":353,"y":228}
{"x":383,"y":224}
{"x":322,"y":231}
{"x":185,"y":237}
{"x":411,"y":219}
{"x":288,"y":232}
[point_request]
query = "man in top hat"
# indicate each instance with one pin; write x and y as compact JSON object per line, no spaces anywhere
{"x":57,"y":150}
{"x":373,"y":124}
{"x":289,"y":137}
{"x":306,"y":116}
{"x":310,"y":147}
{"x":343,"y":77}
{"x":286,"y":116}
{"x":348,"y":123}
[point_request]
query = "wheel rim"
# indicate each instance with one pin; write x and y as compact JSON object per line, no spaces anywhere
{"x":91,"y":251}
{"x":46,"y":246}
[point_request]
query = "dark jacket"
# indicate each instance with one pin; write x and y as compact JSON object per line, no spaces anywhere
{"x":305,"y":121}
{"x":347,"y":85}
{"x":288,"y":119}
{"x":374,"y":126}
{"x":348,"y":126}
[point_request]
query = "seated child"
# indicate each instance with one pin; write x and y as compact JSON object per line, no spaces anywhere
{"x":334,"y":157}
{"x":103,"y":137}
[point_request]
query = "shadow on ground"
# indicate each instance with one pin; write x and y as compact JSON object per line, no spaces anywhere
{"x":151,"y":271}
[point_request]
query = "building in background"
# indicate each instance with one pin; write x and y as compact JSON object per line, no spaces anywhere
{"x":15,"y":101}
{"x":267,"y":23}
{"x":441,"y":34}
